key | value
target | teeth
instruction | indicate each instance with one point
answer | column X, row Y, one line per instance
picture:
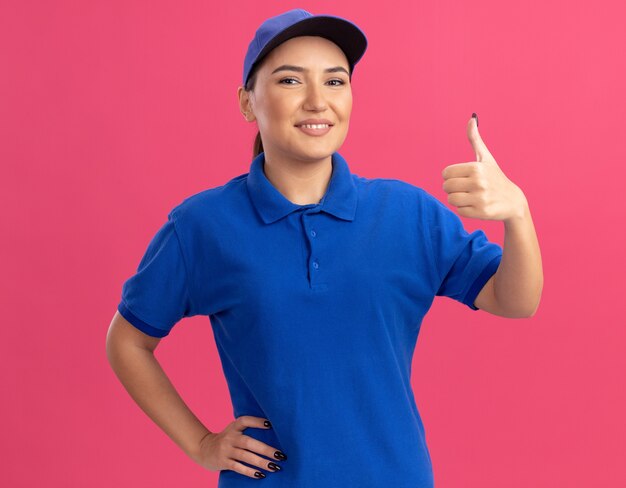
column 315, row 126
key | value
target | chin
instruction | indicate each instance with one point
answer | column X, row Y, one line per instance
column 319, row 153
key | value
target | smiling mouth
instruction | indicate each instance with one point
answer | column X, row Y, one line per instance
column 315, row 130
column 315, row 126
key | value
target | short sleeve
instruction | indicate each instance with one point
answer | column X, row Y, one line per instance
column 157, row 296
column 462, row 262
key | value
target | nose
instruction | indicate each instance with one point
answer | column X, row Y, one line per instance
column 314, row 98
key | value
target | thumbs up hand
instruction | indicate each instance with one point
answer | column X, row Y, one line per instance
column 479, row 189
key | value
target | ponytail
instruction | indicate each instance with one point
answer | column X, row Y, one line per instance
column 258, row 145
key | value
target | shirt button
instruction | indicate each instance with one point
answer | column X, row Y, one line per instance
column 316, row 264
column 313, row 233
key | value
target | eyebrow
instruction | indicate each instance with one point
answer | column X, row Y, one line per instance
column 291, row 67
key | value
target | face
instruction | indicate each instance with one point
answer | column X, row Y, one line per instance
column 283, row 98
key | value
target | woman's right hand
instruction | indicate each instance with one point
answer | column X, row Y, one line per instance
column 225, row 449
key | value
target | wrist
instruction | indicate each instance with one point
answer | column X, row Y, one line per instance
column 193, row 451
column 522, row 212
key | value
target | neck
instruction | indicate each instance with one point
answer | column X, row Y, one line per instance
column 300, row 182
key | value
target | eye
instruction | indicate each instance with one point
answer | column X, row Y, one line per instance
column 285, row 79
column 341, row 82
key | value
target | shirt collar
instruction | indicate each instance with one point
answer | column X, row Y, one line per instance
column 340, row 198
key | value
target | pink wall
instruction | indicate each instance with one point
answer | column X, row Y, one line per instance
column 111, row 112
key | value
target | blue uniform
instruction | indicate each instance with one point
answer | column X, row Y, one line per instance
column 315, row 310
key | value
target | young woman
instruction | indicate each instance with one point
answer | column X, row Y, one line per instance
column 315, row 280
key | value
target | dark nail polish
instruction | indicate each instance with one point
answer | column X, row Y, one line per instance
column 267, row 423
column 476, row 117
column 273, row 466
column 258, row 474
column 279, row 455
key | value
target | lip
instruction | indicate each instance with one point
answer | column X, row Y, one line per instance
column 315, row 132
column 315, row 121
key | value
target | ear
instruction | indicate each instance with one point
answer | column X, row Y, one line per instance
column 244, row 104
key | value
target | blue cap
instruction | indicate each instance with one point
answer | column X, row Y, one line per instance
column 299, row 22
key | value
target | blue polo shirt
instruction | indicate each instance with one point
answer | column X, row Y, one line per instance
column 315, row 310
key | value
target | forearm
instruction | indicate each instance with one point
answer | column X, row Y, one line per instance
column 148, row 385
column 518, row 282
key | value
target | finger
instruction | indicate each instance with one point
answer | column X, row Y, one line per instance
column 255, row 460
column 245, row 421
column 240, row 468
column 479, row 147
column 453, row 185
column 461, row 199
column 255, row 445
column 459, row 170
